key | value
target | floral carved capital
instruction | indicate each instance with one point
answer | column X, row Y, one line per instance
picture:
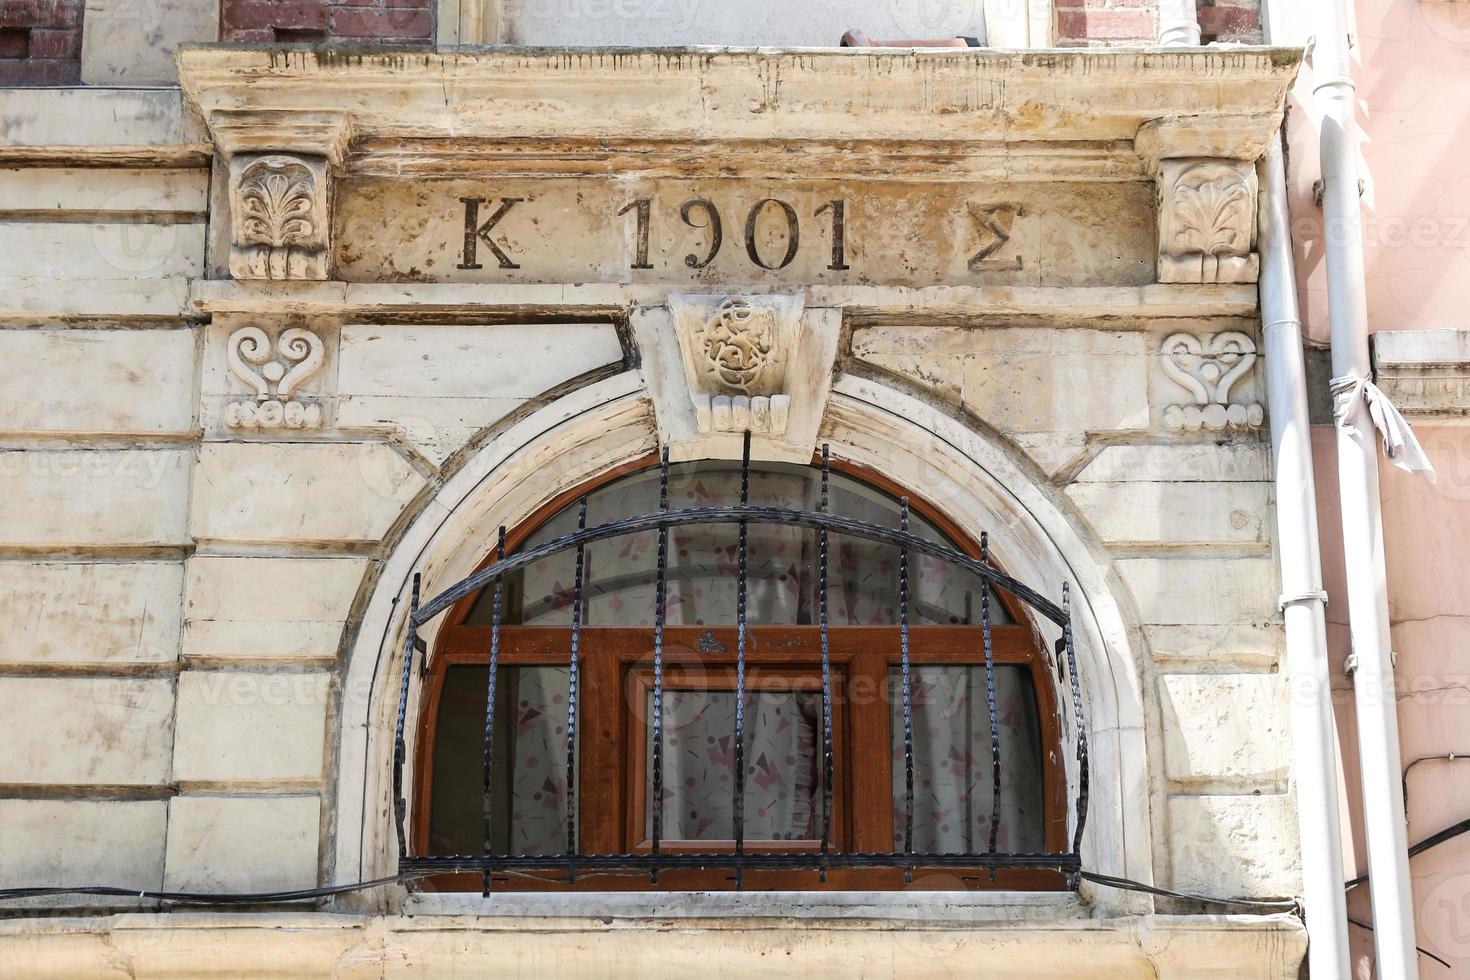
column 1207, row 221
column 278, row 208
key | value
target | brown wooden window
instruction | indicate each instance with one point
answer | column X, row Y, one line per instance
column 611, row 809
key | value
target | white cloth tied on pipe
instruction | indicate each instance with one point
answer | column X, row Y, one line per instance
column 1400, row 444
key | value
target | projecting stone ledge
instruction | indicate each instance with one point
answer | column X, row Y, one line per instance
column 500, row 944
column 1232, row 99
column 1425, row 373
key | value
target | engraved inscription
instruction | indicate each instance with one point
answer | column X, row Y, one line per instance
column 992, row 231
column 713, row 232
column 476, row 233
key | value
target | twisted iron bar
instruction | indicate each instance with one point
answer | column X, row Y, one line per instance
column 827, row 760
column 494, row 670
column 742, row 584
column 573, row 670
column 1079, row 718
column 908, row 701
column 660, row 598
column 742, row 513
column 990, row 701
column 400, row 749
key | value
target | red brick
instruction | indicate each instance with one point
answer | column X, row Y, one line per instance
column 47, row 43
column 381, row 25
column 40, row 72
column 257, row 14
column 1106, row 24
column 40, row 13
column 15, row 43
column 1230, row 22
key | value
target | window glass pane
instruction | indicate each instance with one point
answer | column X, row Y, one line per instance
column 783, row 779
column 953, row 782
column 782, row 561
column 528, row 801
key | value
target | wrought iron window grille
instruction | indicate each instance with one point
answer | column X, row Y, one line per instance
column 739, row 858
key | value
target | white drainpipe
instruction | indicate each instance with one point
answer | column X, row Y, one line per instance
column 1313, row 732
column 1178, row 24
column 1362, row 530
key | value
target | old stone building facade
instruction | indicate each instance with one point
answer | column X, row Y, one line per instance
column 293, row 335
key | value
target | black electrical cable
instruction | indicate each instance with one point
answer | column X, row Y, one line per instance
column 1363, row 925
column 1129, row 884
column 305, row 894
column 1433, row 840
column 204, row 898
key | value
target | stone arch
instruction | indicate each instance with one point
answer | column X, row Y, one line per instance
column 977, row 480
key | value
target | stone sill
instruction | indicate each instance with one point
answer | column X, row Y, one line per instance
column 720, row 909
column 284, row 945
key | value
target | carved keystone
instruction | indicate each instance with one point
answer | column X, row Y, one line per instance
column 1207, row 221
column 735, row 355
column 719, row 366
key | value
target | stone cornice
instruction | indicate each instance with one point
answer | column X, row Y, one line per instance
column 414, row 106
column 1426, row 373
column 394, row 301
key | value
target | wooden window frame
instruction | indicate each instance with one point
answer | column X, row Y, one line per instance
column 611, row 756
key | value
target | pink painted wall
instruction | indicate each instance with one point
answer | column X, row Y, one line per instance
column 1413, row 77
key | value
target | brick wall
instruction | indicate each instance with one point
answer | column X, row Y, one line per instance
column 40, row 42
column 1107, row 23
column 333, row 21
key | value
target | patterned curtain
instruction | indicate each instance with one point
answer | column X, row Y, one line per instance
column 952, row 760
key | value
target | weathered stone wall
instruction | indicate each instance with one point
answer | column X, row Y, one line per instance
column 98, row 369
column 206, row 479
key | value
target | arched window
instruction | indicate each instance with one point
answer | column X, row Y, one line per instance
column 930, row 793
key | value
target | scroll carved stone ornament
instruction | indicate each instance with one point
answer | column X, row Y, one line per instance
column 736, row 351
column 274, row 371
column 1208, row 368
column 1207, row 220
column 278, row 207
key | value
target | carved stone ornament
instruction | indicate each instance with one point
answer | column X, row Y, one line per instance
column 278, row 209
column 1207, row 221
column 1208, row 368
column 274, row 371
column 717, row 367
column 736, row 350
